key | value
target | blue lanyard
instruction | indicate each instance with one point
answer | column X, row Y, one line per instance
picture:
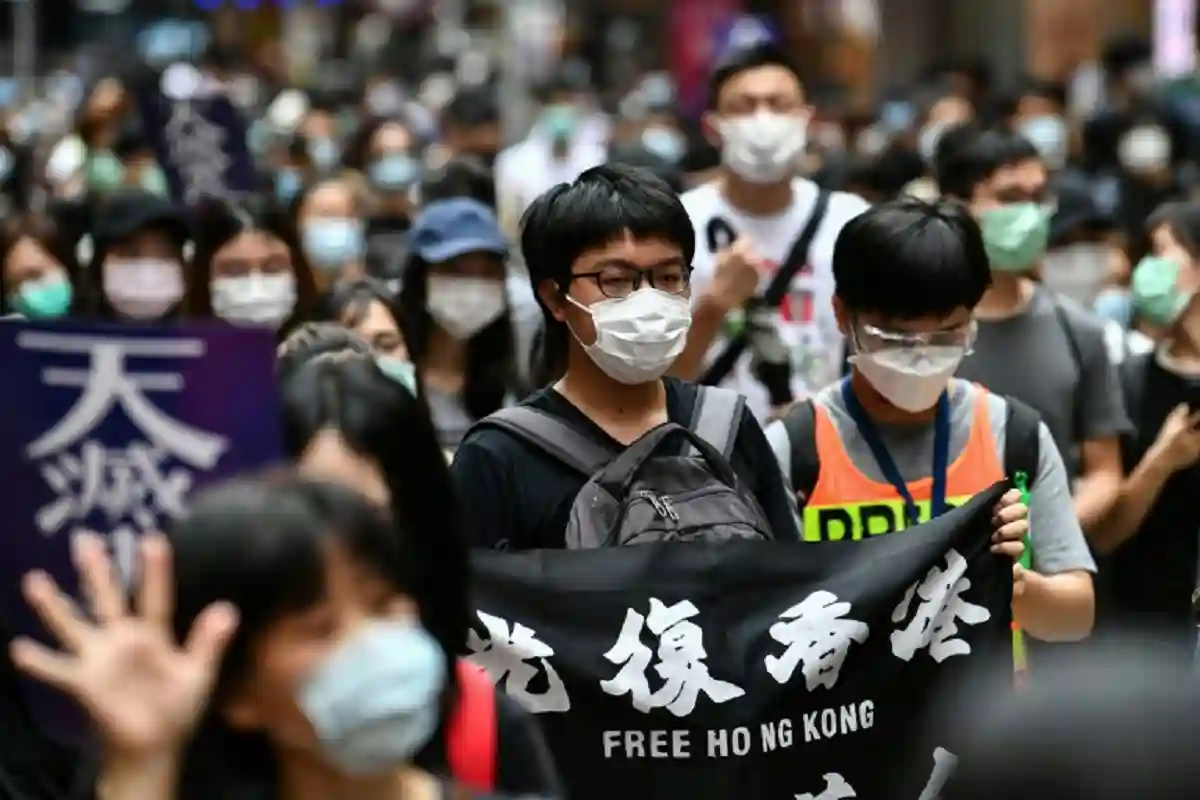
column 941, row 453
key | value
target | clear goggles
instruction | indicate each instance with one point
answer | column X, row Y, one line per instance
column 870, row 339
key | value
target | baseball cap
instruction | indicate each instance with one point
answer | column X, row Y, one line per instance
column 126, row 211
column 447, row 229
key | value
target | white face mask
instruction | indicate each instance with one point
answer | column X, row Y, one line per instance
column 911, row 379
column 464, row 306
column 763, row 147
column 254, row 299
column 1077, row 271
column 1144, row 149
column 638, row 337
column 143, row 288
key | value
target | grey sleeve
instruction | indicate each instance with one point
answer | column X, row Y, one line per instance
column 1099, row 401
column 781, row 446
column 1056, row 537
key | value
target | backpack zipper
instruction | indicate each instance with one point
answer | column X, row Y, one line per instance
column 669, row 509
column 659, row 508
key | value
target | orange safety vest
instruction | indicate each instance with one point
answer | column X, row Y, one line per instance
column 845, row 504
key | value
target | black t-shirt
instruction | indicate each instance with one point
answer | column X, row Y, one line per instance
column 1152, row 575
column 517, row 497
column 524, row 765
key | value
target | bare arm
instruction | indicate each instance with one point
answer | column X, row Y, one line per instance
column 708, row 317
column 1097, row 488
column 1056, row 608
column 1137, row 495
column 142, row 779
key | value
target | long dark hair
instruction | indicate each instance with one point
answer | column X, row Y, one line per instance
column 46, row 234
column 491, row 363
column 219, row 222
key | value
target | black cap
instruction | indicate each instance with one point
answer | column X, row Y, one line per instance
column 124, row 212
column 1077, row 208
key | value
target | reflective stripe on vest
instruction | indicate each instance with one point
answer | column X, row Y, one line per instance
column 845, row 504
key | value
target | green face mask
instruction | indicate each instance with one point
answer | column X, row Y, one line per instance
column 48, row 298
column 153, row 180
column 1015, row 235
column 1155, row 296
column 104, row 172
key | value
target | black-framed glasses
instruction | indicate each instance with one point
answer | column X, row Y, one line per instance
column 618, row 282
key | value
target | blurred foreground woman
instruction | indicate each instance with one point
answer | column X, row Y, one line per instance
column 277, row 648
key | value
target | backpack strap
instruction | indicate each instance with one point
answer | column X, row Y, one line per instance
column 717, row 418
column 552, row 436
column 1022, row 439
column 1068, row 329
column 804, row 467
column 471, row 737
column 1132, row 372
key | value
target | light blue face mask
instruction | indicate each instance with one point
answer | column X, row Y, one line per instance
column 48, row 298
column 376, row 701
column 324, row 153
column 1116, row 305
column 401, row 370
column 333, row 242
column 288, row 184
column 665, row 143
column 560, row 121
column 394, row 172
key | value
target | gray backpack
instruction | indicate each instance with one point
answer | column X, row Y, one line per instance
column 648, row 493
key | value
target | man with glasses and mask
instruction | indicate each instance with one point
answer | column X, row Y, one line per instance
column 1032, row 345
column 901, row 440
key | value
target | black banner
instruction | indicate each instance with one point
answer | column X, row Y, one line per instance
column 748, row 670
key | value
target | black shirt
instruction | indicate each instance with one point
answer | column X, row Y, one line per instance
column 517, row 497
column 1153, row 574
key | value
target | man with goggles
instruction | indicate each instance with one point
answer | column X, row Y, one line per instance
column 901, row 440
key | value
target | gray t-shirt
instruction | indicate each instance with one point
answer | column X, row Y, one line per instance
column 1029, row 357
column 1057, row 541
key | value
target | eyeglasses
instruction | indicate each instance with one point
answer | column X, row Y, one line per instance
column 870, row 339
column 618, row 282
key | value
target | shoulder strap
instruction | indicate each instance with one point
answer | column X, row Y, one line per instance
column 552, row 436
column 1022, row 439
column 471, row 738
column 781, row 281
column 717, row 417
column 1132, row 372
column 1064, row 322
column 800, row 422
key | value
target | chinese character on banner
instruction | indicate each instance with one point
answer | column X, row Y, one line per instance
column 108, row 430
column 836, row 788
column 942, row 607
column 681, row 667
column 516, row 656
column 818, row 634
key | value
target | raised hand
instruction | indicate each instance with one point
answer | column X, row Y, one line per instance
column 144, row 692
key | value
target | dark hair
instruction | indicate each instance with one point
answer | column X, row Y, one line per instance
column 909, row 259
column 596, row 209
column 636, row 154
column 312, row 339
column 1044, row 88
column 92, row 275
column 491, row 369
column 745, row 59
column 353, row 297
column 357, row 155
column 218, row 223
column 44, row 232
column 461, row 176
column 257, row 542
column 973, row 155
column 1183, row 219
column 471, row 107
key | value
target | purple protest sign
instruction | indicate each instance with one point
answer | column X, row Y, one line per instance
column 109, row 429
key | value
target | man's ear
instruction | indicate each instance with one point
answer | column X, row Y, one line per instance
column 551, row 297
column 842, row 314
column 710, row 127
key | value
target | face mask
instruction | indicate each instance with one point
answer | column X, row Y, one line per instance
column 324, row 153
column 1015, row 235
column 464, row 306
column 143, row 288
column 374, row 702
column 1050, row 136
column 665, row 143
column 638, row 337
column 910, row 379
column 401, row 370
column 1156, row 295
column 104, row 172
column 254, row 299
column 394, row 172
column 560, row 121
column 333, row 242
column 1076, row 271
column 763, row 147
column 154, row 180
column 1114, row 304
column 1145, row 149
column 287, row 185
column 46, row 298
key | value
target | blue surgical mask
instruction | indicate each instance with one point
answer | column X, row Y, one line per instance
column 1115, row 304
column 560, row 121
column 288, row 184
column 375, row 702
column 665, row 143
column 401, row 370
column 48, row 298
column 394, row 172
column 324, row 153
column 333, row 242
